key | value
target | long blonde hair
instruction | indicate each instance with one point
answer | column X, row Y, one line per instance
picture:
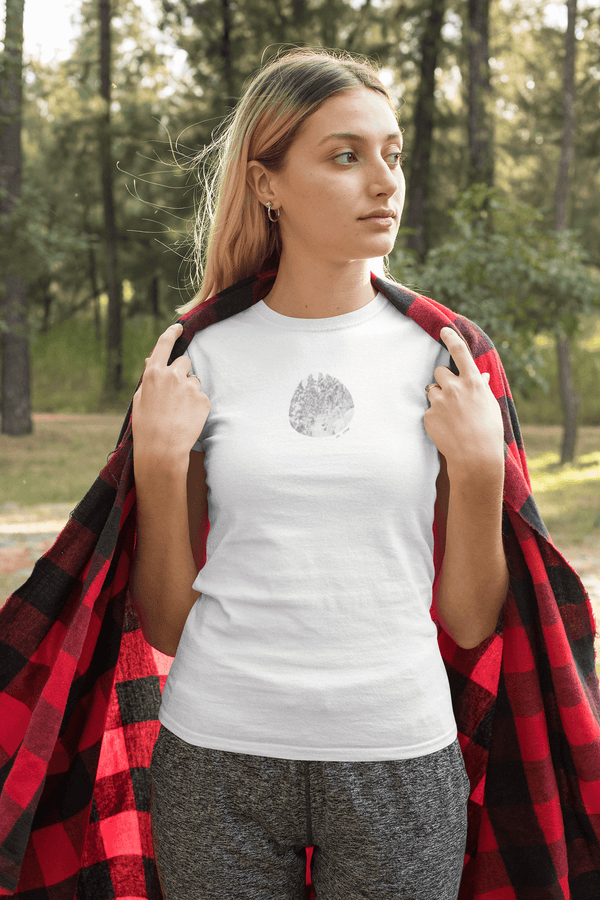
column 233, row 238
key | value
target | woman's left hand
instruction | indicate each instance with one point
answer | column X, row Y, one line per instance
column 464, row 419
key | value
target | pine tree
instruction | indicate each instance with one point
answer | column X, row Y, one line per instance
column 16, row 402
column 114, row 331
column 481, row 137
column 420, row 158
column 569, row 398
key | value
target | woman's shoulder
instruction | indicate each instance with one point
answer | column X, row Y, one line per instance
column 432, row 315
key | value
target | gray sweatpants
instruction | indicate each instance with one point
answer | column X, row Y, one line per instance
column 231, row 826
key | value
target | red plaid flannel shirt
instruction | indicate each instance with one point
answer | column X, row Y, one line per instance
column 81, row 691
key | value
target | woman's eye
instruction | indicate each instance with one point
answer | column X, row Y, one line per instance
column 398, row 158
column 346, row 153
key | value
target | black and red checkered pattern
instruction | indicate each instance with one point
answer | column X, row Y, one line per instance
column 81, row 690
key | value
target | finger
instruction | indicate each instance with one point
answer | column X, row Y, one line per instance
column 443, row 376
column 162, row 351
column 459, row 351
column 435, row 391
column 182, row 364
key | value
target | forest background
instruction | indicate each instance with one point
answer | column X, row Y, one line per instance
column 483, row 103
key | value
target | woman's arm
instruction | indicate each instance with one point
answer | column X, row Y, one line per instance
column 169, row 412
column 474, row 579
column 465, row 423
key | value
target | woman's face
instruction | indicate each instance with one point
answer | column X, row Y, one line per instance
column 342, row 188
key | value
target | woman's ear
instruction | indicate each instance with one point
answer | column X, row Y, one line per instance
column 260, row 181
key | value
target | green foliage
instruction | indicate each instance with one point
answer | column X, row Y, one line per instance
column 527, row 66
column 501, row 269
column 514, row 279
column 541, row 405
column 68, row 364
column 32, row 242
column 62, row 173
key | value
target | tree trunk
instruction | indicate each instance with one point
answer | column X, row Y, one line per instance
column 14, row 342
column 570, row 401
column 43, row 284
column 299, row 12
column 92, row 272
column 153, row 297
column 329, row 24
column 569, row 398
column 95, row 295
column 561, row 219
column 481, row 132
column 418, row 182
column 16, row 397
column 226, row 54
column 114, row 337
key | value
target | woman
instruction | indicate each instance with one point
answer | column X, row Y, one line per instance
column 310, row 646
column 308, row 703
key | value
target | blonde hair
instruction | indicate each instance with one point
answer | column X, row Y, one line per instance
column 233, row 239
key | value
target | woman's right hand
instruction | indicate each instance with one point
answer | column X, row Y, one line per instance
column 169, row 409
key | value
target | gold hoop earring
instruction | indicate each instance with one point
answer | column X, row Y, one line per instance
column 278, row 211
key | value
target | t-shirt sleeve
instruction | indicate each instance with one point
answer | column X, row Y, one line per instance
column 199, row 446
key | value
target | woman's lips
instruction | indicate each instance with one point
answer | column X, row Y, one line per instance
column 380, row 220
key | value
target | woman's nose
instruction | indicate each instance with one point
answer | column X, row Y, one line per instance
column 385, row 179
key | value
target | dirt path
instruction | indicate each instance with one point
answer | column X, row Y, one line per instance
column 27, row 532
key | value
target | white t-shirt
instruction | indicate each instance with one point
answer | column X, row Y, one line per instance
column 312, row 637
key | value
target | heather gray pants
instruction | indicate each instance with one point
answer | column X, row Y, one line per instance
column 230, row 826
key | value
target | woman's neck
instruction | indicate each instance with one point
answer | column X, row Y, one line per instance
column 318, row 290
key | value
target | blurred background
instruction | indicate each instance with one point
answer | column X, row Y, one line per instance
column 106, row 102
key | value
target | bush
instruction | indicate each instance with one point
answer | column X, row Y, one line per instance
column 539, row 407
column 68, row 363
column 500, row 269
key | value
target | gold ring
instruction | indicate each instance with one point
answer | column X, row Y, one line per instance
column 433, row 384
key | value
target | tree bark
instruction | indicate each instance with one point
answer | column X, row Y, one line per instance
column 418, row 182
column 16, row 394
column 14, row 342
column 561, row 219
column 481, row 132
column 569, row 398
column 329, row 24
column 226, row 53
column 43, row 284
column 153, row 297
column 299, row 12
column 95, row 294
column 92, row 269
column 114, row 330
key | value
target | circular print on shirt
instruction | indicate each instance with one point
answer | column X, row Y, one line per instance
column 321, row 406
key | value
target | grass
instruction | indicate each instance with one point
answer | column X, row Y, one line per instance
column 568, row 496
column 59, row 461
column 68, row 365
